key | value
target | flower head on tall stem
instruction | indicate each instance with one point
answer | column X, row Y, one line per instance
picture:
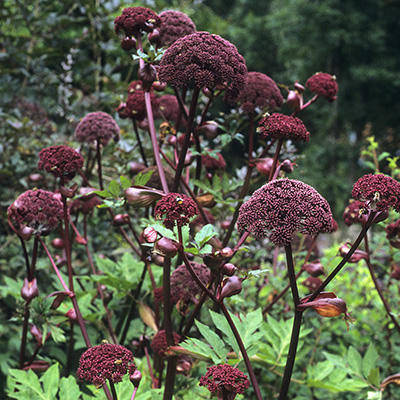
column 174, row 25
column 282, row 207
column 135, row 20
column 282, row 126
column 61, row 161
column 355, row 213
column 135, row 107
column 378, row 192
column 97, row 126
column 176, row 209
column 261, row 93
column 37, row 209
column 106, row 361
column 323, row 85
column 159, row 342
column 205, row 59
column 225, row 381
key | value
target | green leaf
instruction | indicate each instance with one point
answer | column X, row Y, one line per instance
column 114, row 188
column 355, row 361
column 215, row 341
column 142, row 178
column 374, row 377
column 204, row 235
column 50, row 382
column 163, row 231
column 69, row 389
column 103, row 193
column 196, row 346
column 125, row 182
column 26, row 383
column 369, row 361
column 207, row 249
column 192, row 250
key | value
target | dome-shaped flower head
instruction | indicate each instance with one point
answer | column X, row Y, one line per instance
column 106, row 361
column 225, row 381
column 184, row 287
column 282, row 207
column 213, row 163
column 261, row 93
column 169, row 107
column 282, row 126
column 97, row 126
column 206, row 60
column 323, row 85
column 135, row 20
column 354, row 213
column 135, row 106
column 174, row 25
column 377, row 192
column 61, row 161
column 176, row 209
column 38, row 209
column 159, row 342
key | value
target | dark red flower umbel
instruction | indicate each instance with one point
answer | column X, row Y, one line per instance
column 225, row 381
column 323, row 85
column 174, row 25
column 282, row 126
column 135, row 20
column 38, row 209
column 377, row 192
column 211, row 163
column 135, row 107
column 169, row 107
column 206, row 60
column 282, row 207
column 159, row 342
column 260, row 94
column 106, row 361
column 61, row 161
column 354, row 213
column 177, row 209
column 97, row 126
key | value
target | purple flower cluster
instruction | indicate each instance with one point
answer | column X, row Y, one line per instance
column 353, row 213
column 135, row 107
column 282, row 126
column 135, row 20
column 169, row 107
column 106, row 361
column 184, row 287
column 38, row 209
column 224, row 380
column 159, row 342
column 174, row 25
column 177, row 209
column 205, row 59
column 97, row 126
column 323, row 85
column 377, row 192
column 261, row 93
column 282, row 207
column 61, row 161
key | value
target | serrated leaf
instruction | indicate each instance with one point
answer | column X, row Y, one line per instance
column 192, row 250
column 207, row 249
column 374, row 377
column 103, row 193
column 369, row 361
column 26, row 382
column 142, row 178
column 125, row 182
column 163, row 231
column 354, row 361
column 69, row 389
column 204, row 235
column 214, row 340
column 50, row 382
column 196, row 346
column 114, row 188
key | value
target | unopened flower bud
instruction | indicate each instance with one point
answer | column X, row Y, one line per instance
column 357, row 256
column 71, row 315
column 35, row 332
column 224, row 253
column 147, row 74
column 150, row 235
column 229, row 287
column 314, row 268
column 206, row 200
column 167, row 247
column 264, row 165
column 79, row 239
column 158, row 86
column 300, row 88
column 34, row 178
column 154, row 37
column 120, row 219
column 69, row 192
column 58, row 243
column 287, row 166
column 225, row 224
column 135, row 378
column 229, row 269
column 26, row 232
column 128, row 43
column 293, row 100
column 29, row 290
column 122, row 111
column 142, row 196
column 209, row 129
